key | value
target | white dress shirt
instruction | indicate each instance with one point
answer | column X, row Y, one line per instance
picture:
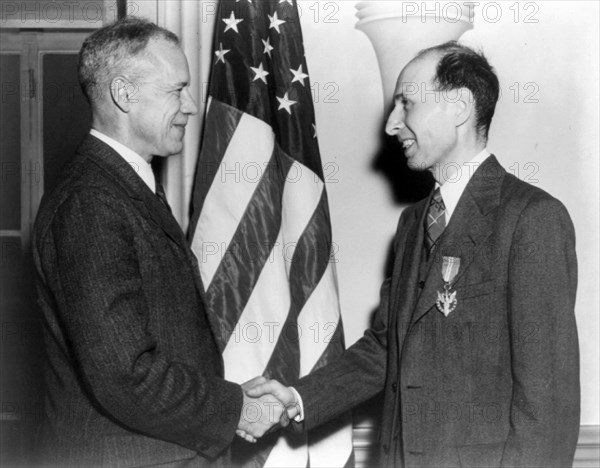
column 139, row 164
column 457, row 179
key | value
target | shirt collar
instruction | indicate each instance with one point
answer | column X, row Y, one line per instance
column 138, row 164
column 454, row 187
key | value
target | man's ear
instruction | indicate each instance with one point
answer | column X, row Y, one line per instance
column 464, row 106
column 122, row 93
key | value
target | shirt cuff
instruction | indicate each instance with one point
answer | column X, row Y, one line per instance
column 300, row 416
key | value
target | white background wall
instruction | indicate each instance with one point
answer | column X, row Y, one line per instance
column 557, row 136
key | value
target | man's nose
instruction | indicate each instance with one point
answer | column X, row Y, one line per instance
column 188, row 105
column 395, row 121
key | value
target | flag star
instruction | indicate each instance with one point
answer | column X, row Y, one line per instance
column 314, row 130
column 299, row 75
column 231, row 23
column 275, row 22
column 268, row 46
column 260, row 73
column 286, row 103
column 221, row 53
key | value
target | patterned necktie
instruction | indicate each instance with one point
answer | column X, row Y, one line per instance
column 160, row 193
column 436, row 220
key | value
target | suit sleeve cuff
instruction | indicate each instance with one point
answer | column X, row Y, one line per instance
column 300, row 416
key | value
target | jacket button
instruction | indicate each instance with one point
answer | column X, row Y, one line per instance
column 421, row 284
column 394, row 387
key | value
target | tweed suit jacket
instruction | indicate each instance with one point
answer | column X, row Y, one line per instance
column 133, row 374
column 496, row 382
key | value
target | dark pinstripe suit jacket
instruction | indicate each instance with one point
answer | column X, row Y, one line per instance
column 133, row 374
column 496, row 383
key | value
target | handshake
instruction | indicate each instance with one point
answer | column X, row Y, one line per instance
column 267, row 405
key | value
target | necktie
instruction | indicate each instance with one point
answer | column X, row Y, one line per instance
column 160, row 193
column 436, row 220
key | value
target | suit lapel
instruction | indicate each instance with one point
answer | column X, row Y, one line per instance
column 471, row 224
column 408, row 262
column 124, row 175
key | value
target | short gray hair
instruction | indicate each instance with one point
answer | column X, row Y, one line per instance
column 114, row 50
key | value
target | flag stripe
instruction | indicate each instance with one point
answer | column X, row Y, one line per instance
column 247, row 253
column 220, row 124
column 301, row 197
column 232, row 188
column 262, row 231
column 312, row 253
column 319, row 320
column 259, row 326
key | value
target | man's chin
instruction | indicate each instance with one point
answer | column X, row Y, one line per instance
column 173, row 150
column 415, row 165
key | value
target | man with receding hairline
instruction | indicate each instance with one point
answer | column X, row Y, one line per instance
column 133, row 374
column 474, row 343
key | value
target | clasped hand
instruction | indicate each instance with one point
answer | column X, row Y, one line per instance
column 267, row 405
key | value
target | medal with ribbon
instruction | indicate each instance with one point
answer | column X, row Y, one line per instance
column 446, row 300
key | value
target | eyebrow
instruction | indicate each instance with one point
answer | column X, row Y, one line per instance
column 181, row 84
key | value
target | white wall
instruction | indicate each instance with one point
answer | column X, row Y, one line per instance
column 552, row 142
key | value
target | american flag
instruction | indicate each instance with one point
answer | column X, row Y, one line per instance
column 260, row 225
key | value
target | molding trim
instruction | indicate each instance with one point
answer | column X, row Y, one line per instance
column 587, row 453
